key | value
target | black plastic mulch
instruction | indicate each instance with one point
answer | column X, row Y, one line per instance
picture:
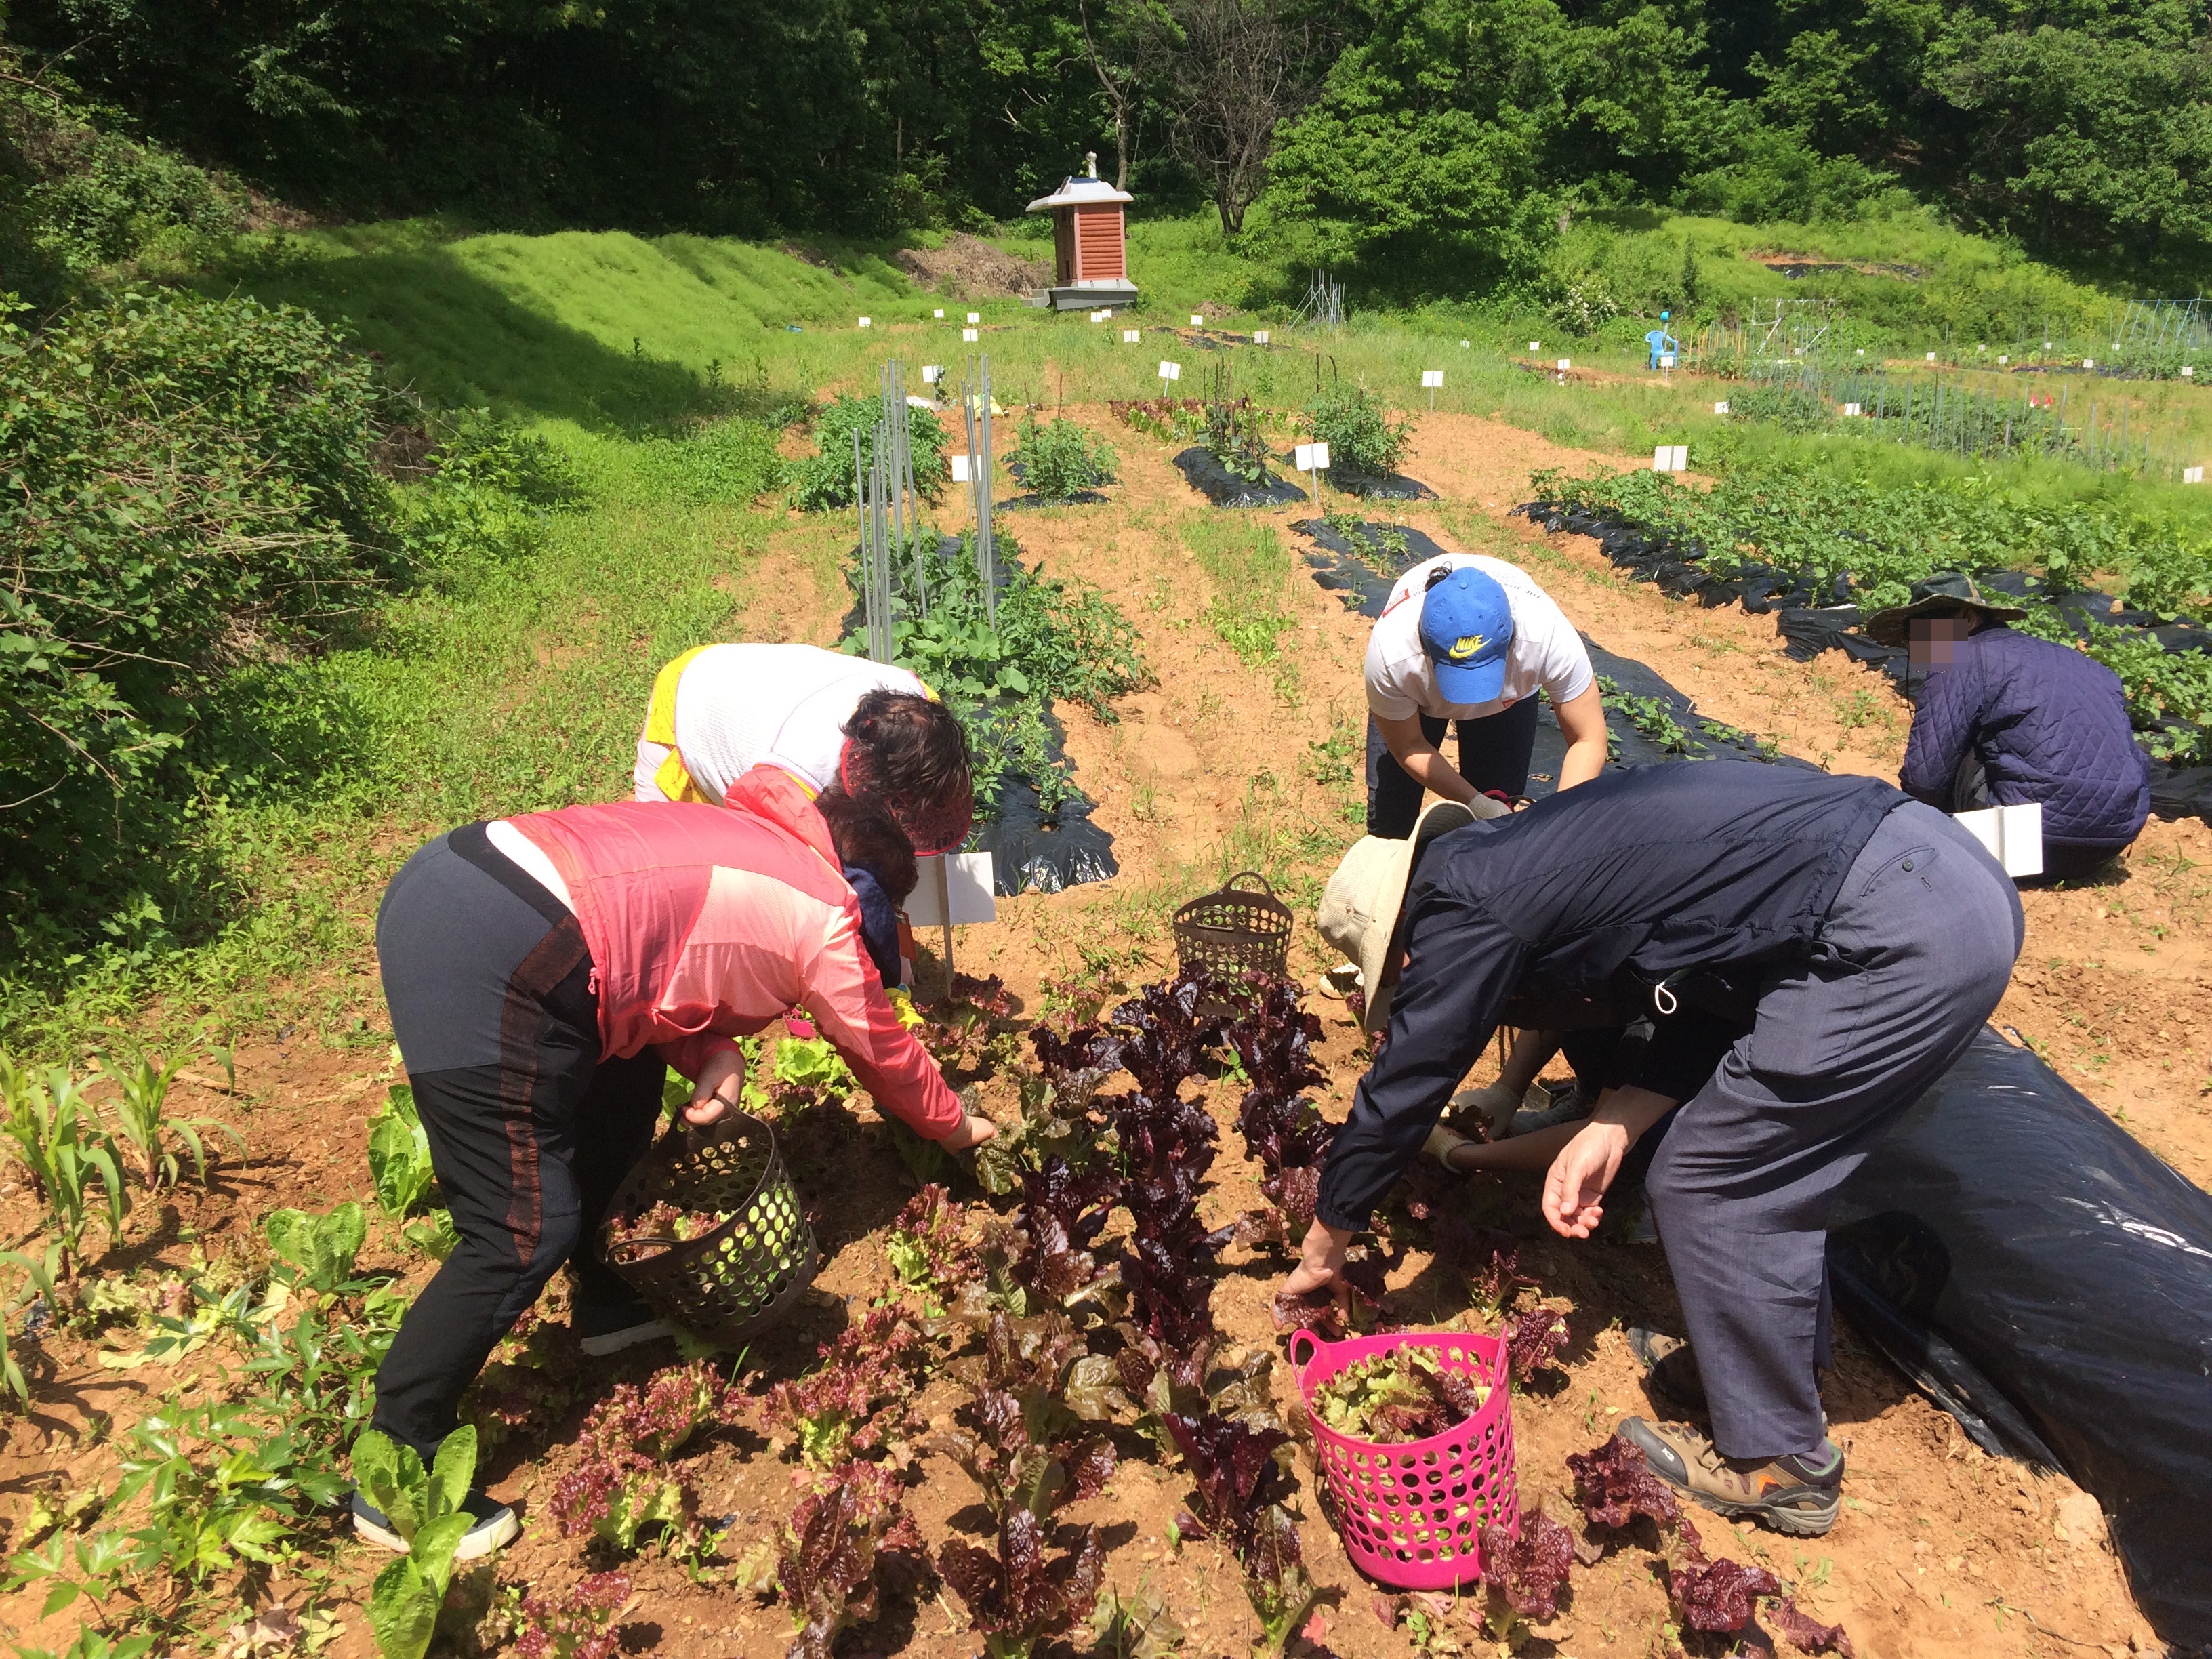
column 1032, row 851
column 1031, row 503
column 1813, row 617
column 2041, row 1274
column 1365, row 584
column 1224, row 489
column 1390, row 487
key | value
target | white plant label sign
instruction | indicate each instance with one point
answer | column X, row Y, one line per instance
column 1563, row 364
column 1259, row 337
column 971, row 335
column 1433, row 377
column 2188, row 372
column 1311, row 457
column 2089, row 362
column 2013, row 834
column 960, row 469
column 1932, row 356
column 867, row 322
column 932, row 373
column 1170, row 371
column 2192, row 475
column 974, row 316
column 1535, row 345
column 1720, row 407
column 1671, row 458
column 1197, row 321
column 1129, row 336
column 1851, row 409
column 958, row 882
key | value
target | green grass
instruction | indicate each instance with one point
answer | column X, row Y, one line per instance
column 605, row 330
column 1250, row 569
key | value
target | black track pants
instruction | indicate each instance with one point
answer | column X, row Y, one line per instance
column 489, row 987
column 1493, row 754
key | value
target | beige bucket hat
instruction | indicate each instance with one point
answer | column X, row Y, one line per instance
column 1360, row 908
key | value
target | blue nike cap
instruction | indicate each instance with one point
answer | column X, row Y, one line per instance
column 1467, row 628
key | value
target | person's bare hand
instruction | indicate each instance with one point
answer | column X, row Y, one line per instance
column 1320, row 1266
column 975, row 1129
column 1579, row 1177
column 717, row 1090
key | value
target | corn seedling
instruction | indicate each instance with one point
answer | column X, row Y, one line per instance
column 54, row 1133
column 144, row 1125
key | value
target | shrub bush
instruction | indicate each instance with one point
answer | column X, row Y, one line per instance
column 1352, row 422
column 189, row 492
column 1061, row 459
column 824, row 479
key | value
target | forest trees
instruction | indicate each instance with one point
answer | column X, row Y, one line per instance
column 1453, row 129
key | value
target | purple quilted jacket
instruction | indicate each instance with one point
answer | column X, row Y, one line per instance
column 2050, row 725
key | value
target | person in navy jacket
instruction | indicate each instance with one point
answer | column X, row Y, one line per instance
column 2005, row 719
column 1867, row 935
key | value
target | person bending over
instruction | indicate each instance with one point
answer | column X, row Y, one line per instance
column 1877, row 936
column 2005, row 719
column 825, row 718
column 1467, row 641
column 544, row 971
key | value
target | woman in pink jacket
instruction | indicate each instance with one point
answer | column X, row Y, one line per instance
column 544, row 971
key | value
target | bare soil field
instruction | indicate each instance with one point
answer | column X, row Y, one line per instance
column 1943, row 1552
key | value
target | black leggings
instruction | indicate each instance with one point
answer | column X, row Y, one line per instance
column 1493, row 754
column 490, row 988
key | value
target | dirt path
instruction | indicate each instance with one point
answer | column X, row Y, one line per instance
column 1942, row 1554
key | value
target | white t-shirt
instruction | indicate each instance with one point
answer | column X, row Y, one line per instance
column 739, row 706
column 1401, row 680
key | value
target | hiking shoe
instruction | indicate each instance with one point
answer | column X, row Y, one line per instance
column 1671, row 1377
column 1800, row 1495
column 611, row 1328
column 494, row 1527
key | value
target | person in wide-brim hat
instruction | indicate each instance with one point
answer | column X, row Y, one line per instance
column 1949, row 594
column 1868, row 936
column 2003, row 719
column 1361, row 908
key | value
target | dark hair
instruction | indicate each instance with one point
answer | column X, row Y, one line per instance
column 865, row 834
column 916, row 749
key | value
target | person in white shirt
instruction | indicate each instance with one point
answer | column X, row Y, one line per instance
column 829, row 720
column 1468, row 640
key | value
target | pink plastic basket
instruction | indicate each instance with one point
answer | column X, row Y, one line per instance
column 1412, row 1514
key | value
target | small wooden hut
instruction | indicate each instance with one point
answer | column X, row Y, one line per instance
column 1091, row 265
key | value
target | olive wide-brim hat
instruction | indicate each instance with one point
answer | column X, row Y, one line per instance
column 1937, row 595
column 1365, row 899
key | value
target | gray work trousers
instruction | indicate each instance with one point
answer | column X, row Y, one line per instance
column 1915, row 953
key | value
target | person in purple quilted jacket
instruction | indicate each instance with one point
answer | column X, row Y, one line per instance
column 2005, row 719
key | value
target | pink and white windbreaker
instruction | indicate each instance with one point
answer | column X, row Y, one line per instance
column 705, row 923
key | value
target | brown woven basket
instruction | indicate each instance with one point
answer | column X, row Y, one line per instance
column 727, row 1286
column 1235, row 930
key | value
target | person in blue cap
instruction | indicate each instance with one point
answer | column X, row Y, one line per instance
column 1467, row 641
column 1661, row 341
